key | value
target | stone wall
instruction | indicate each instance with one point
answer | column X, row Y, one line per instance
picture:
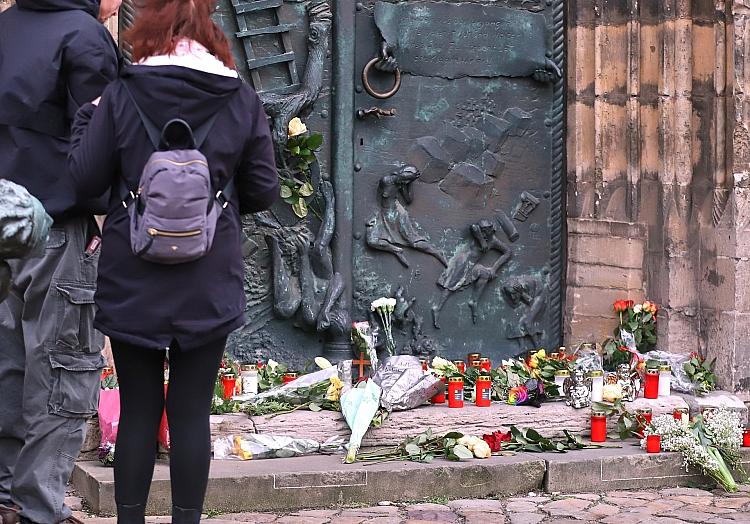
column 658, row 149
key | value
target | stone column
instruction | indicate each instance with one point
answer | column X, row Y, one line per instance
column 725, row 241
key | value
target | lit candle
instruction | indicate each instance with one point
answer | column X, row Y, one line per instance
column 597, row 384
column 665, row 380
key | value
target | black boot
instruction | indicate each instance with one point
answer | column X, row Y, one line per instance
column 185, row 516
column 131, row 514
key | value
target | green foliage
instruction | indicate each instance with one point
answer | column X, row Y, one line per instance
column 615, row 353
column 296, row 186
column 422, row 448
column 701, row 373
column 530, row 440
column 627, row 422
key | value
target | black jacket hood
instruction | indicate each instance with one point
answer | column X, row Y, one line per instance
column 167, row 92
column 90, row 6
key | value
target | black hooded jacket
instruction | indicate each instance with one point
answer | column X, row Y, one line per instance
column 54, row 57
column 148, row 304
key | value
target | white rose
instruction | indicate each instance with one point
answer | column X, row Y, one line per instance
column 482, row 450
column 382, row 302
column 465, row 440
column 296, row 127
column 440, row 363
column 612, row 392
column 272, row 364
column 637, row 308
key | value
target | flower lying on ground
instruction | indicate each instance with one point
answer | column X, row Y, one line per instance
column 333, row 393
column 476, row 445
column 495, row 440
column 612, row 392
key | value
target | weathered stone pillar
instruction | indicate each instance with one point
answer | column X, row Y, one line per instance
column 725, row 240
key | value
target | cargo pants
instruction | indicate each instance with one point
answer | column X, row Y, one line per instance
column 50, row 362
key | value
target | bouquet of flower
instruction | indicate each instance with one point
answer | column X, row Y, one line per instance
column 529, row 440
column 704, row 444
column 638, row 321
column 701, row 373
column 106, row 454
column 299, row 155
column 426, row 446
column 384, row 307
column 108, row 379
column 364, row 340
column 271, row 375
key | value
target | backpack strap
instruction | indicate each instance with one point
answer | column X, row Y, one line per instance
column 154, row 134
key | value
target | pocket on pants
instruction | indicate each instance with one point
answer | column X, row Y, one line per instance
column 75, row 383
column 75, row 319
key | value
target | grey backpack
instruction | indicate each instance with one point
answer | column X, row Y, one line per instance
column 174, row 211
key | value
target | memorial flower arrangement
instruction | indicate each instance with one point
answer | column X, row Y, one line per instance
column 701, row 373
column 425, row 447
column 530, row 440
column 634, row 334
column 106, row 454
column 296, row 183
column 710, row 443
column 384, row 307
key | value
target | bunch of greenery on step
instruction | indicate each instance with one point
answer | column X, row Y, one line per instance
column 615, row 353
column 627, row 422
column 220, row 406
column 296, row 184
column 425, row 447
column 710, row 443
column 316, row 397
column 530, row 440
column 527, row 385
column 701, row 373
column 271, row 375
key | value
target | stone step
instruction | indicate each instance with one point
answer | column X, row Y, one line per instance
column 323, row 481
column 550, row 420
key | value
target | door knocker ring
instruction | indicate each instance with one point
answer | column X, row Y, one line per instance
column 369, row 88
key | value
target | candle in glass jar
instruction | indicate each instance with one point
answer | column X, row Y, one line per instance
column 653, row 444
column 560, row 376
column 485, row 364
column 598, row 426
column 425, row 366
column 476, row 364
column 289, row 376
column 665, row 380
column 597, row 385
column 460, row 365
column 249, row 375
column 229, row 382
column 483, row 392
column 455, row 392
column 473, row 356
column 651, row 386
column 746, row 437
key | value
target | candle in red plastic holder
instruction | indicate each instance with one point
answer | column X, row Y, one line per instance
column 681, row 414
column 289, row 376
column 653, row 444
column 455, row 392
column 598, row 426
column 746, row 437
column 425, row 366
column 476, row 364
column 229, row 382
column 473, row 356
column 460, row 365
column 485, row 364
column 483, row 396
column 439, row 398
column 651, row 387
column 643, row 417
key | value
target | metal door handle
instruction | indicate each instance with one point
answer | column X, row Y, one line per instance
column 369, row 88
column 376, row 112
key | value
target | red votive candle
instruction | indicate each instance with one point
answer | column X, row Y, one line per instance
column 439, row 398
column 598, row 426
column 680, row 414
column 653, row 444
column 485, row 364
column 746, row 437
column 643, row 416
column 473, row 356
column 455, row 392
column 651, row 387
column 289, row 376
column 425, row 365
column 483, row 397
column 228, row 382
column 460, row 365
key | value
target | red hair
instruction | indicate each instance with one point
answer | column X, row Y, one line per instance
column 160, row 24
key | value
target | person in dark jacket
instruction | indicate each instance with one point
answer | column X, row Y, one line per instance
column 183, row 69
column 55, row 55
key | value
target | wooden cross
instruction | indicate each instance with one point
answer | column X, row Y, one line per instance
column 362, row 362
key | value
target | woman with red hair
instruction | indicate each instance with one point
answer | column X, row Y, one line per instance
column 183, row 69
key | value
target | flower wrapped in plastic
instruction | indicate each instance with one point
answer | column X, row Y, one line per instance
column 254, row 446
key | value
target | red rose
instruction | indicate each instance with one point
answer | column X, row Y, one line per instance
column 623, row 348
column 619, row 306
column 630, row 303
column 495, row 440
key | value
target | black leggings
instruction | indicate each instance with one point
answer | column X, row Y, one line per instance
column 192, row 377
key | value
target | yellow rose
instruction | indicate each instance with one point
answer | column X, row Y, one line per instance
column 612, row 392
column 296, row 127
column 482, row 450
column 333, row 393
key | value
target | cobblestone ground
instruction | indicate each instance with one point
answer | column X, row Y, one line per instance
column 667, row 506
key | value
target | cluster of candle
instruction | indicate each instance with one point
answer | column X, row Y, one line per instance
column 453, row 388
column 658, row 382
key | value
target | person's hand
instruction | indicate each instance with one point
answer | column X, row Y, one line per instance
column 96, row 101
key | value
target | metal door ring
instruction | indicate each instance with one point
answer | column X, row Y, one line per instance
column 368, row 87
